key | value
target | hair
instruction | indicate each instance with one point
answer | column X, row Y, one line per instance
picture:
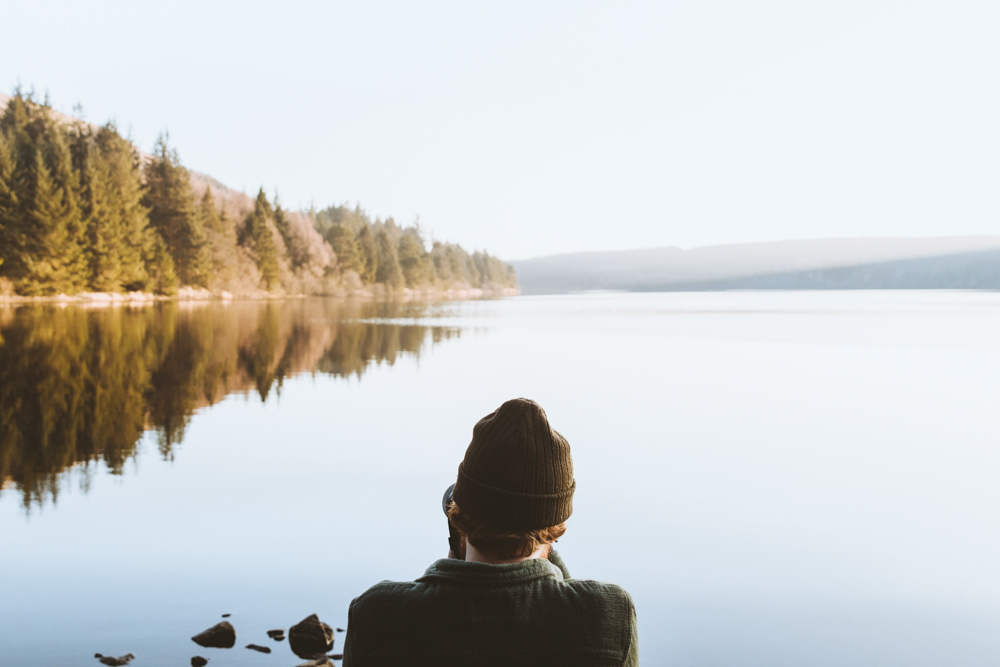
column 501, row 543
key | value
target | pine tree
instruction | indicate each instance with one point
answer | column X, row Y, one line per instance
column 173, row 214
column 493, row 272
column 284, row 227
column 126, row 185
column 226, row 226
column 52, row 256
column 44, row 225
column 211, row 220
column 469, row 270
column 71, row 255
column 8, row 204
column 261, row 240
column 345, row 247
column 158, row 263
column 388, row 270
column 413, row 258
column 104, row 229
column 484, row 267
column 442, row 265
column 223, row 255
column 19, row 153
column 111, row 200
column 369, row 255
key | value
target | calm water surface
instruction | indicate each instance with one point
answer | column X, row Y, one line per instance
column 777, row 478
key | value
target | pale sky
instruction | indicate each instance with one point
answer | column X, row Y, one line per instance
column 544, row 127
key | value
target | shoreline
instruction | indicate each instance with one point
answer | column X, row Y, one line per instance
column 191, row 294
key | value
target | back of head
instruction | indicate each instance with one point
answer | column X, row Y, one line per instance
column 517, row 474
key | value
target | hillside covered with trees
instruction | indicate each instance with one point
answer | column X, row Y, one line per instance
column 82, row 210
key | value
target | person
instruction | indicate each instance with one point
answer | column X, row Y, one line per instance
column 506, row 598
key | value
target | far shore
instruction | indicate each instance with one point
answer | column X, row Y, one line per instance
column 188, row 294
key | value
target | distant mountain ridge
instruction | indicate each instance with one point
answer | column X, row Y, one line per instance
column 954, row 262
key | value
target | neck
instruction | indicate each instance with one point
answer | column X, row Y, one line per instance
column 474, row 555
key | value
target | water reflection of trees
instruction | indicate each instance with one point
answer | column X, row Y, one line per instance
column 81, row 385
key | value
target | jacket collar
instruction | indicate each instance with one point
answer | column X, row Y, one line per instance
column 463, row 573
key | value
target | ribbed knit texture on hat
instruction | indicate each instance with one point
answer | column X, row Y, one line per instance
column 517, row 473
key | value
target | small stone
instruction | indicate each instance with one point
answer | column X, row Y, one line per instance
column 310, row 637
column 341, row 630
column 114, row 662
column 220, row 635
column 199, row 661
column 226, row 615
column 256, row 647
column 276, row 635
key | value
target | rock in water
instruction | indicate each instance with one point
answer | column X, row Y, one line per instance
column 276, row 635
column 221, row 635
column 341, row 630
column 256, row 647
column 199, row 661
column 310, row 638
column 114, row 662
column 226, row 615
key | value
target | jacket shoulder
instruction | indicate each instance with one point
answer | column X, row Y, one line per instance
column 392, row 592
column 605, row 604
column 612, row 593
column 384, row 592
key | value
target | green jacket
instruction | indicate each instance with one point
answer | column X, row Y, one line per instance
column 472, row 614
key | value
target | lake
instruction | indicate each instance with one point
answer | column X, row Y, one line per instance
column 778, row 478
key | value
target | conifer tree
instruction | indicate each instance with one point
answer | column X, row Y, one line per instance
column 104, row 229
column 226, row 226
column 223, row 255
column 71, row 255
column 115, row 221
column 469, row 270
column 159, row 265
column 52, row 256
column 211, row 220
column 19, row 152
column 485, row 268
column 44, row 227
column 442, row 263
column 8, row 204
column 345, row 247
column 133, row 217
column 368, row 253
column 413, row 258
column 172, row 213
column 284, row 227
column 261, row 240
column 388, row 270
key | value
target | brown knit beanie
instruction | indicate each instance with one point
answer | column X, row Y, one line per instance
column 517, row 473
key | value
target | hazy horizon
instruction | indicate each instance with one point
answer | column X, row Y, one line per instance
column 940, row 237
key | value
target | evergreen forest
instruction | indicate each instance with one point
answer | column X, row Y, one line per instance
column 82, row 210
